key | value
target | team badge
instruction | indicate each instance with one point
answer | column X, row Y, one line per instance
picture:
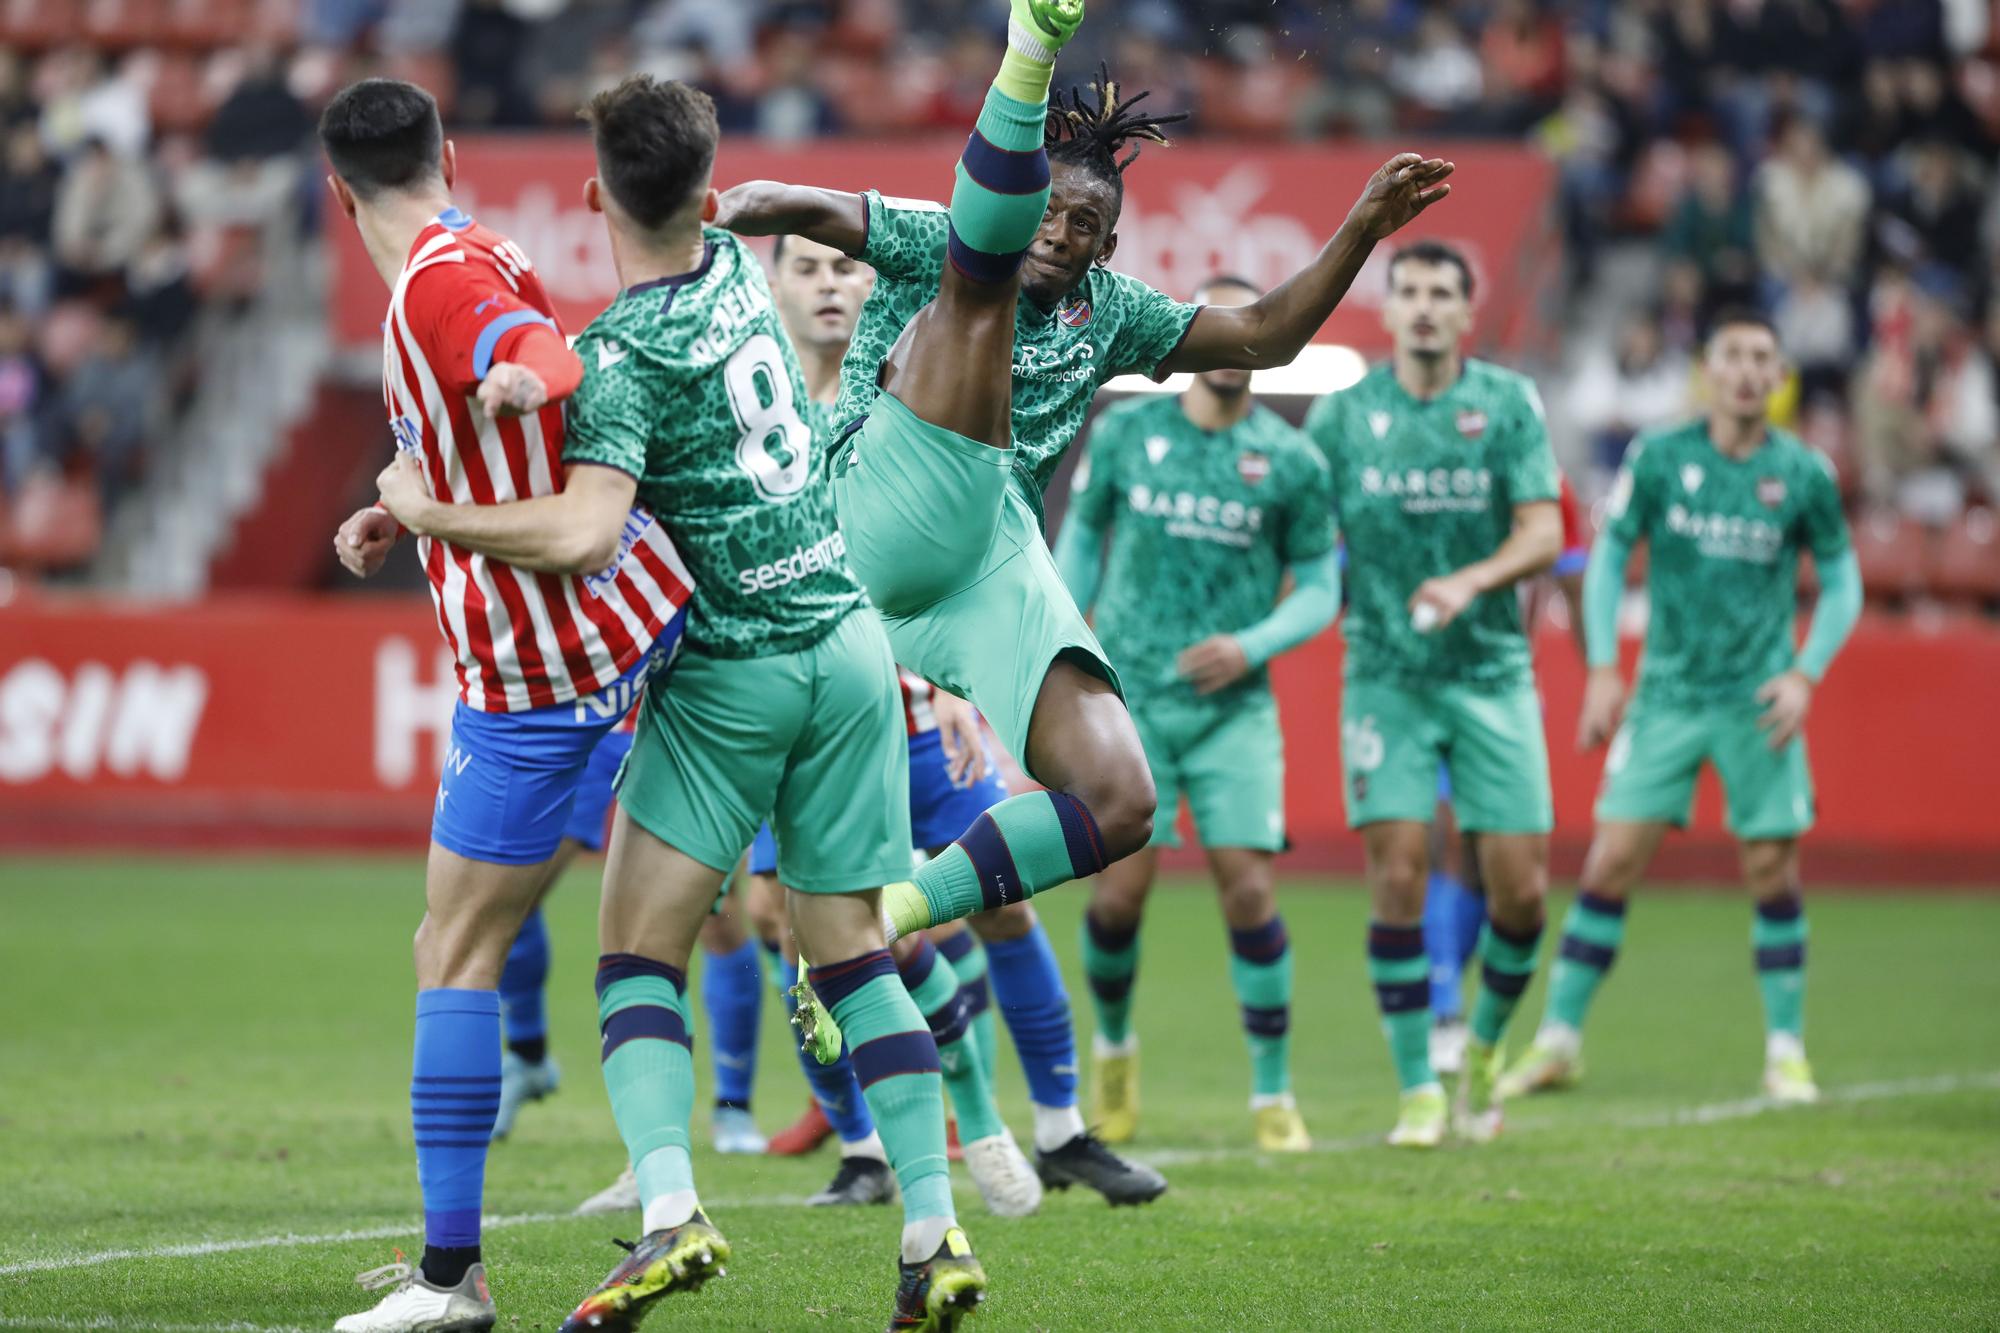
column 1771, row 490
column 1691, row 478
column 1075, row 313
column 1472, row 425
column 1379, row 423
column 1156, row 448
column 1252, row 466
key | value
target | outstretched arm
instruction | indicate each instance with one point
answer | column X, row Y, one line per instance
column 1079, row 557
column 772, row 208
column 575, row 531
column 1270, row 331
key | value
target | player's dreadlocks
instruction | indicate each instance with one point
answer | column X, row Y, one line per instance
column 1089, row 127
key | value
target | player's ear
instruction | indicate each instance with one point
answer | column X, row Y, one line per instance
column 1110, row 249
column 448, row 164
column 711, row 204
column 341, row 195
column 593, row 195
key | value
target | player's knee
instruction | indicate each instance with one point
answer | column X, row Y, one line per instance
column 1770, row 869
column 1248, row 899
column 1011, row 922
column 1399, row 883
column 1117, row 903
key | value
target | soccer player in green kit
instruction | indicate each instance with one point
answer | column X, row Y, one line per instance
column 990, row 328
column 1209, row 501
column 1445, row 490
column 1725, row 505
column 783, row 702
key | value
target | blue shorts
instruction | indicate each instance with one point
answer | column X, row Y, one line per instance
column 511, row 780
column 939, row 812
column 587, row 818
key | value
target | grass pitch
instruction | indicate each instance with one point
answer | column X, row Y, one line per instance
column 203, row 1126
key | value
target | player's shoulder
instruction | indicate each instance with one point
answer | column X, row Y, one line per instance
column 1666, row 442
column 1796, row 455
column 1279, row 436
column 1503, row 384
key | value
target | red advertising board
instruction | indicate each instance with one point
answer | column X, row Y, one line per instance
column 1190, row 212
column 324, row 720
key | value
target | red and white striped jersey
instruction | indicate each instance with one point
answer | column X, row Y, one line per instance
column 522, row 640
column 918, row 716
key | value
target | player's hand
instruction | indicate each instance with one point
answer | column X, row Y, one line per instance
column 1401, row 188
column 1603, row 707
column 959, row 732
column 512, row 390
column 364, row 540
column 404, row 493
column 1447, row 595
column 1789, row 696
column 1215, row 663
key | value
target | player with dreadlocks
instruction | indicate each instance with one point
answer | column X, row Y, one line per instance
column 990, row 328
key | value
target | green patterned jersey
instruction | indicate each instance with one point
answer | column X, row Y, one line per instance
column 691, row 385
column 1421, row 488
column 1111, row 325
column 1723, row 539
column 1202, row 525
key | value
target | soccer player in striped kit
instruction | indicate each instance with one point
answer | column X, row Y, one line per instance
column 474, row 370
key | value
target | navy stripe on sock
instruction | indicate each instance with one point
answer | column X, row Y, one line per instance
column 993, row 862
column 1401, row 997
column 1781, row 958
column 1080, row 834
column 836, row 981
column 978, row 996
column 1261, row 944
column 897, row 1053
column 958, row 948
column 613, row 967
column 643, row 1021
column 445, row 1100
column 1267, row 1022
column 980, row 266
column 1004, row 170
column 1531, row 935
column 1599, row 956
column 462, row 1079
column 485, row 1140
column 918, row 968
column 1395, row 942
column 1509, row 984
column 949, row 1022
column 1788, row 907
column 1111, row 939
column 1111, row 989
column 1602, row 906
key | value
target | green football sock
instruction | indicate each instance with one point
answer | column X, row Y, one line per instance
column 896, row 1061
column 1260, row 968
column 1508, row 966
column 1020, row 847
column 934, row 986
column 1401, row 972
column 1002, row 188
column 1110, row 962
column 1592, row 933
column 648, row 1068
column 968, row 959
column 1779, row 938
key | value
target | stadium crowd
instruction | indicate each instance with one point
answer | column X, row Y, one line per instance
column 1830, row 160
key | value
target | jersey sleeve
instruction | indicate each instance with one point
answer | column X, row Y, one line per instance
column 1093, row 488
column 1309, row 529
column 1527, row 462
column 1628, row 511
column 905, row 240
column 1822, row 521
column 464, row 316
column 611, row 414
column 1151, row 325
column 1322, row 424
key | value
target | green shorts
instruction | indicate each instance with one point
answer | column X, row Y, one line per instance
column 1393, row 738
column 954, row 557
column 1650, row 772
column 815, row 739
column 1227, row 759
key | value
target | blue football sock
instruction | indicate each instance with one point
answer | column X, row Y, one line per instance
column 835, row 1089
column 1444, row 904
column 454, row 1097
column 1028, row 987
column 732, row 991
column 522, row 984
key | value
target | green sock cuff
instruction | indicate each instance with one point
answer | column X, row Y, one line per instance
column 630, row 991
column 1011, row 123
column 1505, row 955
column 1409, row 1037
column 1594, row 927
column 1262, row 985
column 1767, row 934
column 1395, row 971
column 665, row 1169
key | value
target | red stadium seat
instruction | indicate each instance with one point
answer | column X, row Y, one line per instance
column 55, row 522
column 1967, row 559
column 33, row 25
column 1893, row 552
column 121, row 24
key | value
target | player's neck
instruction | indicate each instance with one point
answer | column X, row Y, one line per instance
column 1210, row 410
column 1736, row 437
column 820, row 363
column 389, row 227
column 1425, row 377
column 643, row 259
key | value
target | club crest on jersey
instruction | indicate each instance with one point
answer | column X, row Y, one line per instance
column 1379, row 423
column 1691, row 476
column 1252, row 466
column 1472, row 425
column 1771, row 490
column 1075, row 312
column 1156, row 448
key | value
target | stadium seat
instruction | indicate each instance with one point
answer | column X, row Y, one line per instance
column 1892, row 552
column 1966, row 565
column 55, row 522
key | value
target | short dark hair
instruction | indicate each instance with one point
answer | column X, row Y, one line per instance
column 1732, row 316
column 655, row 145
column 382, row 134
column 1433, row 252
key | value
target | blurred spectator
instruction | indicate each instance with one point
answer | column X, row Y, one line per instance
column 968, row 73
column 1618, row 392
column 105, row 209
column 108, row 401
column 1356, row 92
column 723, row 28
column 1521, row 58
column 21, row 405
column 1812, row 211
column 83, row 101
column 1440, row 76
column 1712, row 227
column 160, row 291
column 260, row 118
column 1924, row 440
column 1816, row 327
column 1933, row 218
column 486, row 48
column 791, row 106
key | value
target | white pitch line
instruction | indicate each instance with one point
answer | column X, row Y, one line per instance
column 1706, row 1114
